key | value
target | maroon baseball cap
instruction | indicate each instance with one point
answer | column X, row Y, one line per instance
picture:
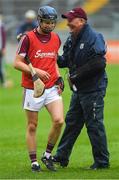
column 74, row 13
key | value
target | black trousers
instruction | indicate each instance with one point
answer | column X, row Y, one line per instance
column 86, row 108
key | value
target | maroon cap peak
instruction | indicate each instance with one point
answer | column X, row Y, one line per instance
column 74, row 13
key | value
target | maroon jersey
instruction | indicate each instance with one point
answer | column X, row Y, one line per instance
column 42, row 54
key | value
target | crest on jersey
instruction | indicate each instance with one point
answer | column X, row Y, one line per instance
column 28, row 104
column 81, row 45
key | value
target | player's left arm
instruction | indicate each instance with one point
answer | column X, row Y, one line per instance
column 60, row 82
column 57, row 70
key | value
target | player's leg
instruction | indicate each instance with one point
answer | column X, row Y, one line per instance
column 74, row 122
column 32, row 120
column 32, row 106
column 55, row 109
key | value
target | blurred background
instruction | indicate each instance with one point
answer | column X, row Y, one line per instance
column 103, row 16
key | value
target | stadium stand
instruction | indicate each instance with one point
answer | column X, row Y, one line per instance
column 103, row 15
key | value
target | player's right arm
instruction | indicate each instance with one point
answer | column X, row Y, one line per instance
column 19, row 62
column 22, row 50
column 20, row 65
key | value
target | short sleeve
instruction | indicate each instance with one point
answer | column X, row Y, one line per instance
column 23, row 46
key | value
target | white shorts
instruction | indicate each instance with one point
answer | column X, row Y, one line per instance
column 35, row 104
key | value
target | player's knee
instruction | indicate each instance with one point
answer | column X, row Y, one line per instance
column 32, row 127
column 58, row 123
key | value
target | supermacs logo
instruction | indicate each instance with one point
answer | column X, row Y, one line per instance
column 40, row 54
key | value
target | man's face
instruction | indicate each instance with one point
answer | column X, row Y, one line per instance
column 47, row 25
column 75, row 25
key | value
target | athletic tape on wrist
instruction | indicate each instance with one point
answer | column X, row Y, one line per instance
column 35, row 77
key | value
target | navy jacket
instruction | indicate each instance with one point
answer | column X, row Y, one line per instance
column 85, row 58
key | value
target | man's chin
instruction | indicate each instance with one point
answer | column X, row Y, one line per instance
column 47, row 31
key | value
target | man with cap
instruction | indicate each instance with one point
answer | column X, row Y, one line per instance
column 84, row 56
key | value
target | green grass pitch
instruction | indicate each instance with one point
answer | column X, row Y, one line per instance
column 14, row 162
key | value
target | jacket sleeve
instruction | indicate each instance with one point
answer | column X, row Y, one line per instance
column 91, row 68
column 96, row 61
column 99, row 45
column 62, row 62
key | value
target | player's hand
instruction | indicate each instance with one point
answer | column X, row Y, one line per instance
column 43, row 75
column 60, row 85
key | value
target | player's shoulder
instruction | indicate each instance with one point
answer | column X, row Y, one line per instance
column 24, row 39
column 55, row 35
column 30, row 34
